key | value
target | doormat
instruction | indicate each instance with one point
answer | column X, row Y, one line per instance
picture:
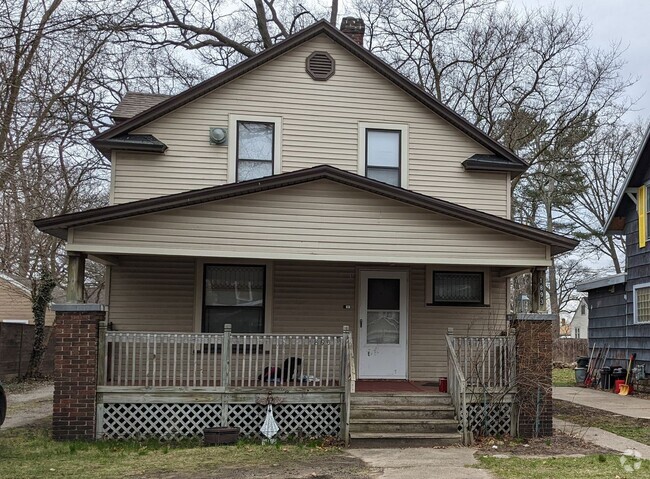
column 430, row 385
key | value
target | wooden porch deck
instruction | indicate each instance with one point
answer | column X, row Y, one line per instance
column 388, row 385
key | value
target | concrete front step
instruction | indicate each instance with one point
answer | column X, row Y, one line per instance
column 400, row 439
column 404, row 425
column 400, row 399
column 365, row 411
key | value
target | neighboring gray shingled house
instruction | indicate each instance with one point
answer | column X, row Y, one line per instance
column 619, row 306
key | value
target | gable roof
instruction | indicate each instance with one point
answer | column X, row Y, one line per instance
column 17, row 284
column 636, row 177
column 133, row 103
column 58, row 225
column 506, row 157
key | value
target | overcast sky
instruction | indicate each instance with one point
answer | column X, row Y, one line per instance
column 627, row 21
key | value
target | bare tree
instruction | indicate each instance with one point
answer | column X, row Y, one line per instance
column 604, row 166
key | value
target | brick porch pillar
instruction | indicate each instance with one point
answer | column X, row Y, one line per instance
column 76, row 336
column 534, row 339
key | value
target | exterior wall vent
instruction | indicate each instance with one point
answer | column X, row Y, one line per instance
column 320, row 66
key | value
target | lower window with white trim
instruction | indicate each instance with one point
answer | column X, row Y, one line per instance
column 457, row 287
column 233, row 294
column 642, row 303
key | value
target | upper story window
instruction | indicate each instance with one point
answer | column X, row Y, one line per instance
column 383, row 152
column 254, row 147
column 583, row 309
column 383, row 155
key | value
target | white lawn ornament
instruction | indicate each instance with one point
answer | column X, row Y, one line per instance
column 270, row 428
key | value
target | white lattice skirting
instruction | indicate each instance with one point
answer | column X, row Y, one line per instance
column 175, row 421
column 490, row 419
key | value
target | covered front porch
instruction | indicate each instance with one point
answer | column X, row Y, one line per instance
column 290, row 262
column 164, row 373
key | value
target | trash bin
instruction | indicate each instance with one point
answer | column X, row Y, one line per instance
column 606, row 378
column 618, row 373
column 581, row 374
column 582, row 362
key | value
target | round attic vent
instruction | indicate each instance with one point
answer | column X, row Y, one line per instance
column 320, row 66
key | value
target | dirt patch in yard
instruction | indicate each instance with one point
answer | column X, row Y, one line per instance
column 629, row 427
column 28, row 404
column 332, row 466
column 559, row 444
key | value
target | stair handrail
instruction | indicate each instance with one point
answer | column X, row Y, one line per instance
column 349, row 377
column 457, row 386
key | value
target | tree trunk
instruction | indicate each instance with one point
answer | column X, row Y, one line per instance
column 41, row 298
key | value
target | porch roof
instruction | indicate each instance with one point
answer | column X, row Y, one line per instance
column 59, row 225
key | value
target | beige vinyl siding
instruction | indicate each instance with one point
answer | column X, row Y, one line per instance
column 320, row 126
column 152, row 294
column 320, row 220
column 310, row 298
column 428, row 326
column 16, row 304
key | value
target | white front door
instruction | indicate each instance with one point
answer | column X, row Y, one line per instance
column 383, row 318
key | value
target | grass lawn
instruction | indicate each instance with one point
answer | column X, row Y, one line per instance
column 589, row 467
column 632, row 428
column 30, row 453
column 564, row 377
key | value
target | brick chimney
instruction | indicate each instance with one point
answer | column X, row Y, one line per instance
column 354, row 28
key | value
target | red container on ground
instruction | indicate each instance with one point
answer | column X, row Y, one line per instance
column 617, row 386
column 442, row 385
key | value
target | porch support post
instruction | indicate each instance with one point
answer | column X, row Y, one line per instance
column 538, row 287
column 76, row 269
column 226, row 352
column 77, row 366
column 534, row 358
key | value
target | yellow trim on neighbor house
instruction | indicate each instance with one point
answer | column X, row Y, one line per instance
column 641, row 208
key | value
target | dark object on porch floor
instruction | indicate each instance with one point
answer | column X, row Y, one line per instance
column 430, row 385
column 291, row 365
column 220, row 435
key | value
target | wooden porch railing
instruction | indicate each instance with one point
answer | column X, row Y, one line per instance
column 228, row 360
column 488, row 362
column 482, row 370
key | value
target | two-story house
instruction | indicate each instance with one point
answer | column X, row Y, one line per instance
column 307, row 189
column 619, row 305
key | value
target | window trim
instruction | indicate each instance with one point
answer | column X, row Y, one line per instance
column 428, row 284
column 233, row 143
column 403, row 150
column 199, row 287
column 634, row 302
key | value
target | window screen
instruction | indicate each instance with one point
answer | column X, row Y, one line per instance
column 234, row 294
column 457, row 288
